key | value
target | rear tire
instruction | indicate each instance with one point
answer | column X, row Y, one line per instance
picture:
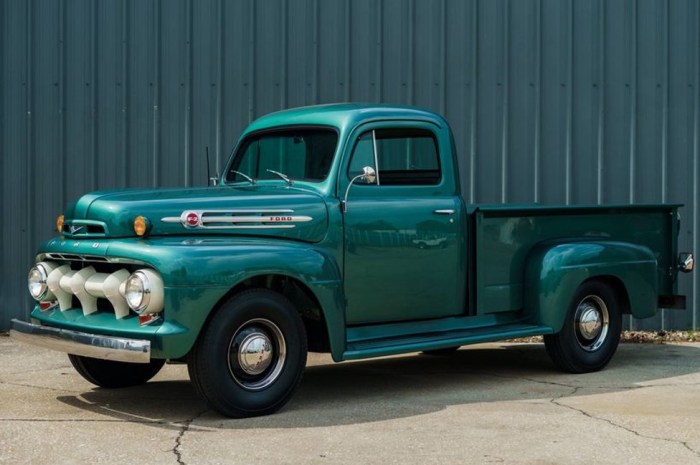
column 111, row 374
column 591, row 331
column 251, row 355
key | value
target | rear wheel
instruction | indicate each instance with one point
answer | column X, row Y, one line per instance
column 591, row 331
column 251, row 356
column 111, row 374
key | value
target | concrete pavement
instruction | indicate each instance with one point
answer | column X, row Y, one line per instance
column 491, row 403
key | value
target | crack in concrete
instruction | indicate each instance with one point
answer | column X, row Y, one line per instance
column 565, row 385
column 532, row 380
column 47, row 388
column 555, row 401
column 668, row 385
column 83, row 420
column 178, row 439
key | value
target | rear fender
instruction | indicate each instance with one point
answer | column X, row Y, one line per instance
column 555, row 270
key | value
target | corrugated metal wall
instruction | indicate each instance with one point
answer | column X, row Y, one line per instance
column 554, row 101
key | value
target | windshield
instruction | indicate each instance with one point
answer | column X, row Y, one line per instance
column 303, row 154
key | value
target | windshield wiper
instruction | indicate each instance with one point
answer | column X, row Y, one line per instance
column 245, row 176
column 282, row 175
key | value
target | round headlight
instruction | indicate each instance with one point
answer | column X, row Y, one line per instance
column 138, row 291
column 36, row 282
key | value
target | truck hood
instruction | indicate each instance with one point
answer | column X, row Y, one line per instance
column 285, row 212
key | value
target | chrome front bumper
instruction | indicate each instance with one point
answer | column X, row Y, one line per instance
column 117, row 349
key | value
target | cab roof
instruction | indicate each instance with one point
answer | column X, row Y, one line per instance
column 343, row 116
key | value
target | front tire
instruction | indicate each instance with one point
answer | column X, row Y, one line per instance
column 591, row 331
column 251, row 356
column 112, row 374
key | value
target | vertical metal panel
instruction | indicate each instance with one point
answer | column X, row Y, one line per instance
column 474, row 107
column 505, row 102
column 600, row 86
column 156, row 91
column 692, row 54
column 4, row 286
column 537, row 106
column 551, row 101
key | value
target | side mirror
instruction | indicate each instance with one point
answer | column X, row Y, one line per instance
column 368, row 175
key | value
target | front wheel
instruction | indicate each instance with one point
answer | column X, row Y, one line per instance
column 112, row 374
column 591, row 331
column 250, row 358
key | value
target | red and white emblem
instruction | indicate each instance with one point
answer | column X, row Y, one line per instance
column 192, row 219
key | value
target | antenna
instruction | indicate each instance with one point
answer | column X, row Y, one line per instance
column 210, row 180
column 208, row 174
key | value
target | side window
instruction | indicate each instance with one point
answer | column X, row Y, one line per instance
column 362, row 155
column 406, row 156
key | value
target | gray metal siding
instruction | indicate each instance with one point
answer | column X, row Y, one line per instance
column 554, row 101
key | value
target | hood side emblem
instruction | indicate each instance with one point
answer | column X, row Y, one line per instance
column 238, row 219
column 74, row 229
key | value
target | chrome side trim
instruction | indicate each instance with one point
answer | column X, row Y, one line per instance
column 88, row 345
column 232, row 219
column 256, row 219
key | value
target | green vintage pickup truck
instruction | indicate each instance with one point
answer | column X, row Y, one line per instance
column 336, row 229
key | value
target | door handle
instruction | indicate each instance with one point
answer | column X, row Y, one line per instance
column 444, row 212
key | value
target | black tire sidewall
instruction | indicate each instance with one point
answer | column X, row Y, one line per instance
column 114, row 374
column 583, row 360
column 214, row 378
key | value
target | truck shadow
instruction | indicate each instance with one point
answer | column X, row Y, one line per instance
column 399, row 387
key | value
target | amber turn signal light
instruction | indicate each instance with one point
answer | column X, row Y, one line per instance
column 141, row 225
column 59, row 223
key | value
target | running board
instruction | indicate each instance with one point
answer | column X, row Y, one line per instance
column 418, row 342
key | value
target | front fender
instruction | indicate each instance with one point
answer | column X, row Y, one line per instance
column 213, row 269
column 198, row 273
column 555, row 270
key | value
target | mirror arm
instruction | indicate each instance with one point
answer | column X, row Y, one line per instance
column 347, row 191
column 368, row 174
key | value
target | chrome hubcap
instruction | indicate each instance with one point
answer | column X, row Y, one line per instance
column 591, row 323
column 256, row 354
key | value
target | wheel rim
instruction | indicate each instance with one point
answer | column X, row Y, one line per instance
column 256, row 354
column 591, row 323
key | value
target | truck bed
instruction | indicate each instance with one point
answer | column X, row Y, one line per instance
column 502, row 237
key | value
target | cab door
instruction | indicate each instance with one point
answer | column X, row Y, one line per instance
column 404, row 250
